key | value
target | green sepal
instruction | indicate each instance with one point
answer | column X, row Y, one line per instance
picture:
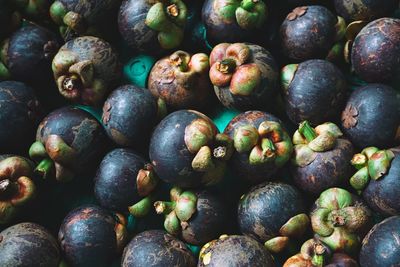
column 141, row 208
column 172, row 224
column 287, row 75
column 4, row 72
column 360, row 179
column 37, row 151
column 277, row 244
column 295, row 226
column 335, row 198
column 323, row 142
column 342, row 240
column 303, row 155
column 379, row 163
column 227, row 12
column 186, row 206
column 251, row 15
column 58, row 12
column 319, row 222
column 245, row 138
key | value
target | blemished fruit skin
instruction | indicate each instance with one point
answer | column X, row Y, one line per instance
column 375, row 54
column 28, row 54
column 88, row 237
column 28, row 244
column 308, row 32
column 372, row 116
column 20, row 114
column 276, row 203
column 365, row 9
column 235, row 251
column 315, row 93
column 129, row 115
column 380, row 248
column 157, row 248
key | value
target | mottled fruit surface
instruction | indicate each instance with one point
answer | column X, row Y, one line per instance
column 367, row 10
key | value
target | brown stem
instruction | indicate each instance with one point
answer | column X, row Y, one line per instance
column 219, row 152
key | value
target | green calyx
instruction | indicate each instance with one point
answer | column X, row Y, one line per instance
column 295, row 227
column 169, row 21
column 178, row 211
column 54, row 158
column 340, row 28
column 142, row 208
column 67, row 20
column 287, row 75
column 309, row 141
column 268, row 143
column 371, row 163
column 211, row 149
column 337, row 219
column 146, row 180
column 187, row 66
column 58, row 12
column 315, row 251
column 249, row 14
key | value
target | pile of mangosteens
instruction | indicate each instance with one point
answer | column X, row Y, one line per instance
column 223, row 133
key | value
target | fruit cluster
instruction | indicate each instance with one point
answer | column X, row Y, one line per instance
column 199, row 133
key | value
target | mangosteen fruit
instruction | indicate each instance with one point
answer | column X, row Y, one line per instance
column 366, row 10
column 197, row 217
column 372, row 116
column 181, row 80
column 28, row 244
column 129, row 115
column 311, row 32
column 234, row 21
column 313, row 90
column 10, row 18
column 186, row 150
column 28, row 53
column 85, row 69
column 274, row 214
column 172, row 252
column 340, row 220
column 234, row 251
column 314, row 253
column 377, row 178
column 124, row 182
column 152, row 26
column 321, row 157
column 80, row 17
column 261, row 145
column 245, row 76
column 92, row 236
column 19, row 116
column 380, row 248
column 375, row 53
column 16, row 186
column 69, row 141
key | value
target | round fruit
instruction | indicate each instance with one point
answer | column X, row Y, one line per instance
column 69, row 141
column 234, row 251
column 152, row 26
column 91, row 236
column 380, row 248
column 28, row 244
column 245, row 76
column 367, row 10
column 197, row 217
column 124, row 180
column 234, row 21
column 273, row 213
column 186, row 150
column 310, row 32
column 372, row 116
column 142, row 248
column 19, row 116
column 129, row 115
column 85, row 69
column 262, row 145
column 375, row 54
column 322, row 157
column 181, row 80
column 314, row 91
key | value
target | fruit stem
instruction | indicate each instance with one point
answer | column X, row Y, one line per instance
column 164, row 207
column 173, row 10
column 219, row 152
column 44, row 167
column 318, row 259
column 307, row 131
column 226, row 66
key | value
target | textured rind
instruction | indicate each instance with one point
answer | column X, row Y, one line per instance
column 236, row 251
column 115, row 182
column 87, row 237
column 329, row 169
column 91, row 11
column 264, row 92
column 266, row 208
column 309, row 36
column 377, row 116
column 375, row 54
column 364, row 9
column 316, row 93
column 240, row 161
column 381, row 246
column 28, row 244
column 157, row 248
column 129, row 115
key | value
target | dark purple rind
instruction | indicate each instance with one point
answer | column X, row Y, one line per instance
column 365, row 9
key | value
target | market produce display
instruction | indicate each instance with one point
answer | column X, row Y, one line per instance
column 226, row 133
